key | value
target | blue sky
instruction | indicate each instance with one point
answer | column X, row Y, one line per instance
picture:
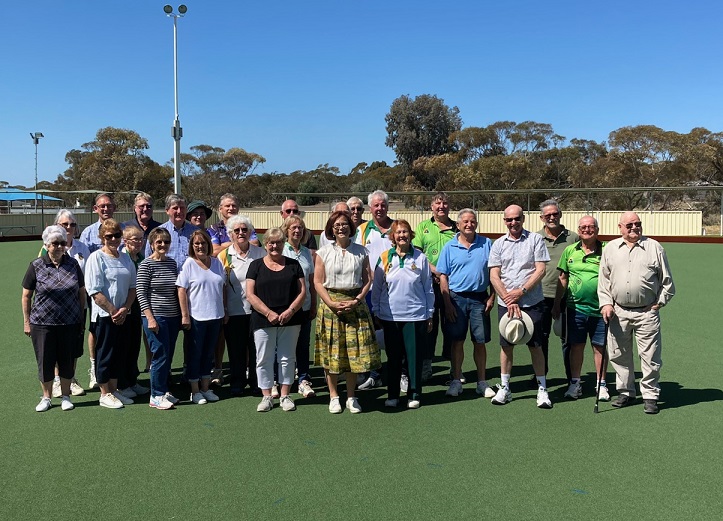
column 307, row 83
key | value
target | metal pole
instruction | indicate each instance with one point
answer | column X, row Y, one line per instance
column 177, row 130
column 36, row 175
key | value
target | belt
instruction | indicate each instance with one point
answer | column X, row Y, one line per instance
column 632, row 308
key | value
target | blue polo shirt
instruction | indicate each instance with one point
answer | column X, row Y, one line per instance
column 180, row 239
column 466, row 268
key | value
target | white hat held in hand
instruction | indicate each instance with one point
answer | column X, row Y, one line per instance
column 517, row 330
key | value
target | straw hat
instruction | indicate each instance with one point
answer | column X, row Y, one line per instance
column 517, row 330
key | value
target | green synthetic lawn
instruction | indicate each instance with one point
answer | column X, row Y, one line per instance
column 453, row 458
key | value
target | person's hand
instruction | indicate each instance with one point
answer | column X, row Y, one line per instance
column 607, row 312
column 512, row 297
column 273, row 318
column 430, row 325
column 186, row 322
column 225, row 318
column 26, row 328
column 555, row 311
column 153, row 325
column 513, row 311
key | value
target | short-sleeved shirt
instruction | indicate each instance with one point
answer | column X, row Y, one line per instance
column 204, row 289
column 180, row 239
column 582, row 270
column 57, row 291
column 112, row 276
column 307, row 264
column 466, row 268
column 403, row 287
column 555, row 247
column 430, row 239
column 89, row 236
column 343, row 268
column 516, row 259
column 276, row 289
column 79, row 251
column 236, row 267
column 219, row 234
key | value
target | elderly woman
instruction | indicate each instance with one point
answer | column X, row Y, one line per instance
column 80, row 252
column 236, row 260
column 158, row 301
column 294, row 230
column 53, row 318
column 201, row 294
column 345, row 340
column 403, row 301
column 110, row 280
column 276, row 288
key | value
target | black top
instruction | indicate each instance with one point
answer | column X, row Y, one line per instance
column 276, row 289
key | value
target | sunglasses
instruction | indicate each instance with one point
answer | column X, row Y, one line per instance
column 636, row 224
column 161, row 242
column 357, row 209
column 67, row 225
column 144, row 206
column 292, row 210
column 513, row 219
column 239, row 231
column 553, row 214
column 587, row 227
column 109, row 236
column 58, row 244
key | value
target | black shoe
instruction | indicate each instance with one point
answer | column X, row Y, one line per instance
column 623, row 400
column 532, row 383
column 650, row 406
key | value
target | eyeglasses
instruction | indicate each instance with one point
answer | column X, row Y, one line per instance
column 134, row 239
column 553, row 214
column 67, row 225
column 341, row 226
column 144, row 206
column 161, row 242
column 587, row 227
column 239, row 231
column 355, row 209
column 636, row 224
column 109, row 236
column 513, row 219
column 59, row 244
column 291, row 210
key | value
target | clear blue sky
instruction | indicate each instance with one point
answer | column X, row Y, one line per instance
column 306, row 83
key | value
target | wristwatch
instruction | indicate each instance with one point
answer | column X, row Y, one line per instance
column 524, row 290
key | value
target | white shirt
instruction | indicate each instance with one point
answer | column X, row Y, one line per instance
column 236, row 299
column 204, row 288
column 403, row 287
column 343, row 268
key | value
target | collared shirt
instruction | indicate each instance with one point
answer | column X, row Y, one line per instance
column 57, row 291
column 466, row 268
column 79, row 251
column 112, row 276
column 403, row 287
column 236, row 267
column 430, row 239
column 582, row 270
column 634, row 277
column 219, row 234
column 307, row 264
column 90, row 236
column 373, row 239
column 555, row 247
column 516, row 259
column 180, row 239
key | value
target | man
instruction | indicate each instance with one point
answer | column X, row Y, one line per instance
column 105, row 208
column 289, row 207
column 430, row 236
column 198, row 213
column 635, row 282
column 578, row 267
column 178, row 227
column 356, row 207
column 517, row 265
column 373, row 236
column 464, row 280
column 339, row 206
column 557, row 238
column 143, row 208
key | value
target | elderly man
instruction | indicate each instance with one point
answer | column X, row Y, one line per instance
column 464, row 282
column 178, row 227
column 635, row 282
column 517, row 265
column 557, row 238
column 578, row 267
column 143, row 208
column 105, row 208
column 289, row 207
column 430, row 236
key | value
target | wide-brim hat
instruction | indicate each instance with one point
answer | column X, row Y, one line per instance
column 196, row 205
column 517, row 330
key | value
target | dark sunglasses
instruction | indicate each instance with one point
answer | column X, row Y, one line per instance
column 58, row 244
column 553, row 214
column 109, row 236
column 357, row 209
column 292, row 210
column 68, row 225
column 513, row 219
column 239, row 231
column 636, row 224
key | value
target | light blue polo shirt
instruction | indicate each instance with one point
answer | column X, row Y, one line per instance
column 466, row 268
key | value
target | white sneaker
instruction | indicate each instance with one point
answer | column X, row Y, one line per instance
column 128, row 392
column 455, row 388
column 604, row 394
column 305, row 389
column 413, row 404
column 160, row 402
column 427, row 371
column 353, row 405
column 275, row 394
column 287, row 404
column 198, row 398
column 391, row 402
column 56, row 393
column 76, row 389
column 140, row 389
column 502, row 396
column 210, row 396
column 404, row 383
column 574, row 391
column 66, row 404
column 171, row 398
column 485, row 390
column 266, row 404
column 334, row 405
column 370, row 383
column 92, row 383
column 543, row 400
column 44, row 405
column 110, row 401
column 122, row 398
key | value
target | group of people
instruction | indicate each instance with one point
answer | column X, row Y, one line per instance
column 369, row 284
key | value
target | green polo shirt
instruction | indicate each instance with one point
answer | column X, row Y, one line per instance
column 582, row 270
column 430, row 239
column 555, row 249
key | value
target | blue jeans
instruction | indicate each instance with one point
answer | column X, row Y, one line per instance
column 470, row 307
column 162, row 345
column 201, row 349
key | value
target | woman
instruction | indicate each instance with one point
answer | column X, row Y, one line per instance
column 275, row 289
column 294, row 229
column 128, row 379
column 201, row 294
column 110, row 280
column 403, row 303
column 344, row 331
column 158, row 301
column 53, row 318
column 236, row 260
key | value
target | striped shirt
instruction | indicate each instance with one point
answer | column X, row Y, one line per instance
column 156, row 287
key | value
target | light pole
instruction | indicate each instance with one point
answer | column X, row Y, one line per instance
column 176, row 131
column 36, row 139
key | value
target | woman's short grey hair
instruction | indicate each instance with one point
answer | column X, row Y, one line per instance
column 466, row 210
column 237, row 220
column 378, row 194
column 54, row 233
column 64, row 212
column 274, row 234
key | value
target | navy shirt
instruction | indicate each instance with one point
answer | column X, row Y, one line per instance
column 57, row 297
